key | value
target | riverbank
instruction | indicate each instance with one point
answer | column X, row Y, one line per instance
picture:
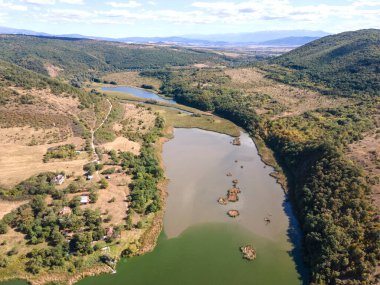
column 227, row 127
column 200, row 243
column 267, row 156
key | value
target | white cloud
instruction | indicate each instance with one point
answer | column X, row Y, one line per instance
column 40, row 2
column 75, row 2
column 52, row 2
column 12, row 6
column 271, row 13
column 3, row 17
column 65, row 15
column 129, row 4
column 267, row 10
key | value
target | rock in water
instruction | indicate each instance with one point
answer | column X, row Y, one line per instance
column 222, row 201
column 249, row 252
column 233, row 213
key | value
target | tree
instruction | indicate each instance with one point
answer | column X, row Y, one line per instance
column 89, row 168
column 129, row 222
column 56, row 237
column 81, row 243
column 93, row 197
column 38, row 204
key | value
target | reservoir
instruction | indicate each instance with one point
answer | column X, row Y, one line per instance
column 138, row 93
column 200, row 243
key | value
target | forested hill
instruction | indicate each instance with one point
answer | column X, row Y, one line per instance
column 347, row 63
column 77, row 58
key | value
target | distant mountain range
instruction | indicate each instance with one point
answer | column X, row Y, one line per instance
column 264, row 38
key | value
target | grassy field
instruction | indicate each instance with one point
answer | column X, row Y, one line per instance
column 132, row 78
column 213, row 123
column 177, row 119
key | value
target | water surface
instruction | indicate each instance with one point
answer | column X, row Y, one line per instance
column 141, row 93
column 200, row 243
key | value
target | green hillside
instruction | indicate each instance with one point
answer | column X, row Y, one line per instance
column 347, row 63
column 83, row 58
column 12, row 75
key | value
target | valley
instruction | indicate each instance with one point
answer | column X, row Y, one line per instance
column 114, row 159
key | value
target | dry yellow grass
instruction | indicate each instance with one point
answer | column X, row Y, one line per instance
column 138, row 119
column 123, row 144
column 8, row 206
column 295, row 100
column 118, row 189
column 132, row 78
column 29, row 136
column 366, row 153
column 19, row 162
column 64, row 104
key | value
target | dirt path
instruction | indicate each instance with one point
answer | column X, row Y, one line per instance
column 93, row 131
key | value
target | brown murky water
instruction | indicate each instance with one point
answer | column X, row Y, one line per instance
column 197, row 162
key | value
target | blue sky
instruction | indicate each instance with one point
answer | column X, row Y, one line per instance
column 180, row 17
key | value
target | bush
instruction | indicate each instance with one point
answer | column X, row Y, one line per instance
column 3, row 228
column 93, row 197
column 3, row 262
column 109, row 171
column 103, row 183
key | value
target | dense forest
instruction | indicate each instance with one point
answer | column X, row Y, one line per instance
column 330, row 194
column 347, row 64
column 78, row 59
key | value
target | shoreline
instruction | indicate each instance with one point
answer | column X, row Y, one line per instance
column 150, row 237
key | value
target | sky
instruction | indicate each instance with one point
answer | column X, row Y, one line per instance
column 182, row 17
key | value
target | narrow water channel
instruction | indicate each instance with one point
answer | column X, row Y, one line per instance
column 200, row 243
column 138, row 93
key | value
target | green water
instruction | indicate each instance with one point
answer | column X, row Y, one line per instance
column 200, row 243
column 205, row 254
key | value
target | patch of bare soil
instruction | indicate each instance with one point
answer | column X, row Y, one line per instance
column 117, row 127
column 123, row 144
column 294, row 101
column 52, row 70
column 200, row 65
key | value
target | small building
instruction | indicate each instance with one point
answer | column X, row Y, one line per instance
column 84, row 200
column 59, row 179
column 65, row 211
